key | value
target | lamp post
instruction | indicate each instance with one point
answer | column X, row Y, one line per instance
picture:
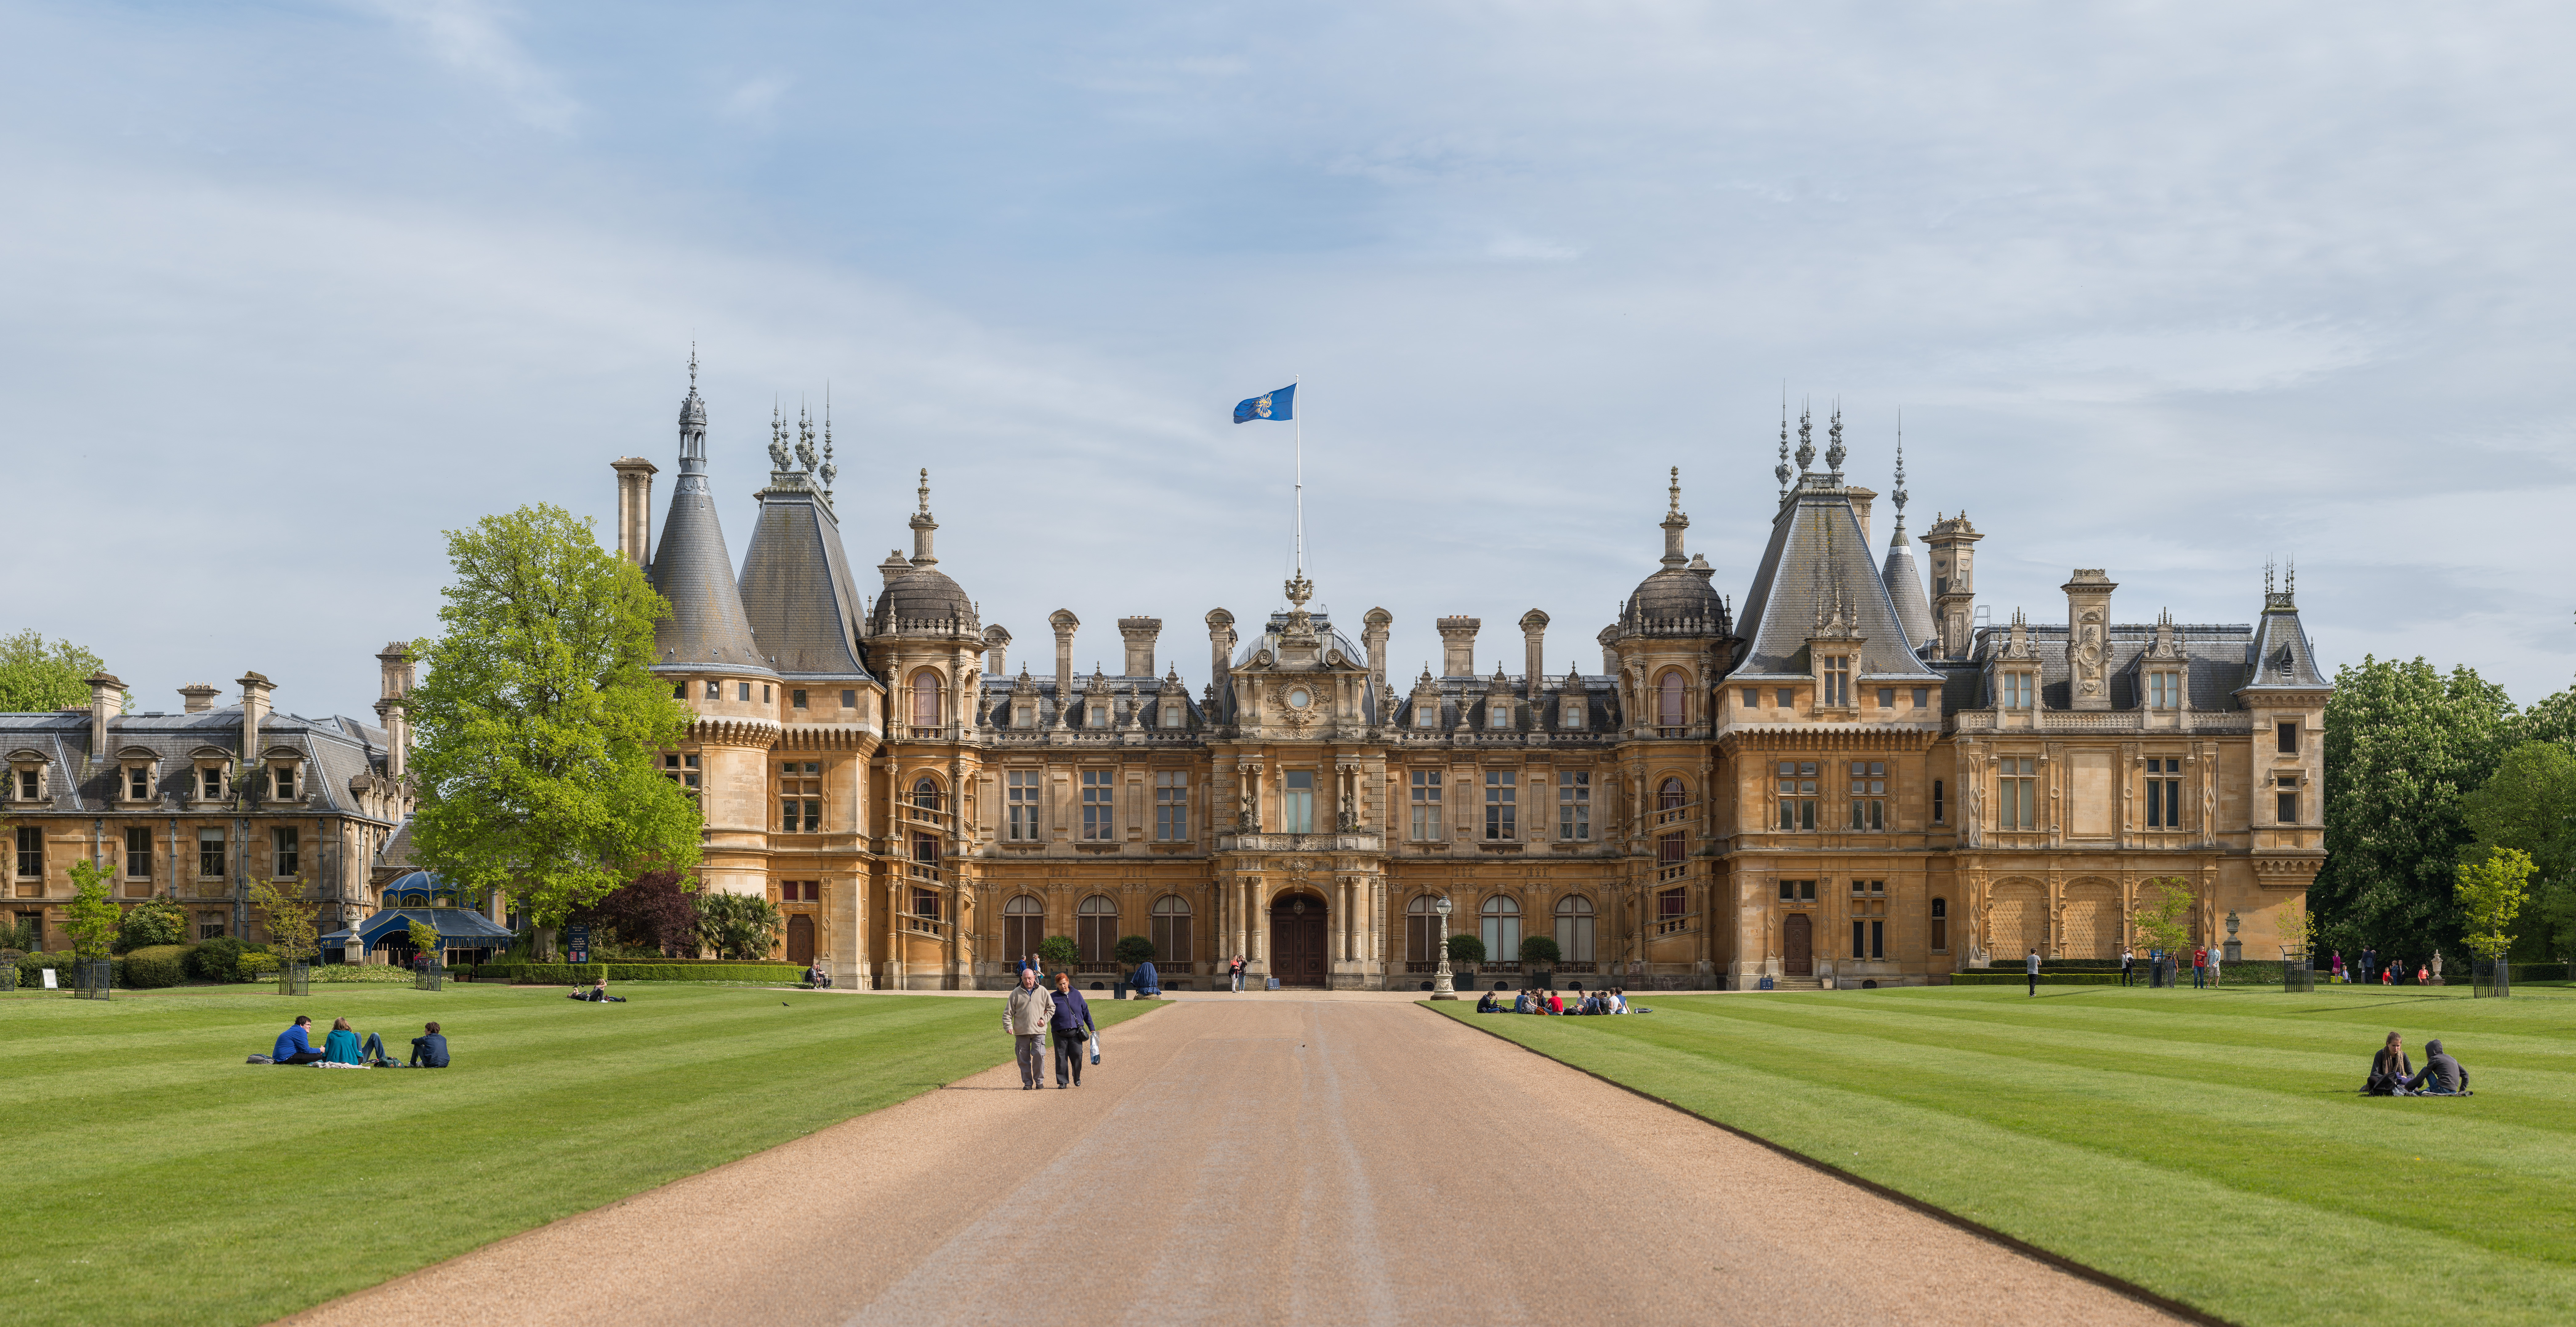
column 1440, row 987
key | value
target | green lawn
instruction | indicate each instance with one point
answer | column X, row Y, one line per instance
column 156, row 1178
column 2208, row 1145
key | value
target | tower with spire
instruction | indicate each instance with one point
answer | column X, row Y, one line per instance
column 1904, row 582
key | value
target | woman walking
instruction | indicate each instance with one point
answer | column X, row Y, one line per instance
column 1070, row 1028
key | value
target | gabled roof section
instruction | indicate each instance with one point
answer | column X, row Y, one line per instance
column 1817, row 566
column 2279, row 657
column 796, row 587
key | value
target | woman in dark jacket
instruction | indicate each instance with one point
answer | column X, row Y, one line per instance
column 2389, row 1070
column 1071, row 1027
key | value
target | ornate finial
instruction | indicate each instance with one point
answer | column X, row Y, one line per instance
column 925, row 490
column 1673, row 495
column 1834, row 452
column 1898, row 497
column 778, row 458
column 830, row 471
column 1806, row 438
column 2268, row 569
column 2290, row 580
column 805, row 437
column 1781, row 471
column 693, row 368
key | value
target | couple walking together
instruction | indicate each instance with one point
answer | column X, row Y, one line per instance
column 1035, row 1016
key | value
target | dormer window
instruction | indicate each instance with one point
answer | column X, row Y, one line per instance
column 1426, row 712
column 210, row 783
column 1175, row 714
column 2016, row 690
column 1095, row 714
column 1570, row 714
column 2164, row 691
column 1498, row 714
column 1834, row 676
column 27, row 783
column 1024, row 715
column 282, row 781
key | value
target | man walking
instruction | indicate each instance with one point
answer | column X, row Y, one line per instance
column 1069, row 1027
column 2032, row 967
column 2128, row 963
column 1025, row 1017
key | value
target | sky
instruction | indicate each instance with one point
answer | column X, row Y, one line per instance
column 288, row 290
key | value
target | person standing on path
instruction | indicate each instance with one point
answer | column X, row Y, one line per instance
column 1069, row 1027
column 1234, row 971
column 2128, row 963
column 1025, row 1016
column 2031, row 966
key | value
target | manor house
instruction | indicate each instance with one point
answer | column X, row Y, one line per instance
column 1853, row 780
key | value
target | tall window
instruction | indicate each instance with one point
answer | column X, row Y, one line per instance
column 1887, row 698
column 1426, row 712
column 1869, row 939
column 2288, row 799
column 2164, row 793
column 1422, row 930
column 2287, row 736
column 2016, row 690
column 1670, row 795
column 1099, row 810
column 1175, row 714
column 1940, row 926
column 1502, row 919
column 2017, row 793
column 211, row 781
column 849, row 698
column 285, row 842
column 1569, row 714
column 1095, row 929
column 138, row 783
column 1670, row 906
column 1868, row 794
column 138, row 854
column 1297, row 801
column 1574, row 805
column 1502, row 805
column 925, row 791
column 800, row 802
column 1835, row 676
column 796, row 700
column 1668, row 700
column 1796, row 783
column 281, row 782
column 1940, row 810
column 1498, row 713
column 210, row 854
column 1426, row 804
column 1095, row 713
column 31, row 853
column 1171, row 805
column 1023, row 926
column 925, row 904
column 1172, row 929
column 742, row 690
column 925, row 699
column 1020, row 800
column 682, row 769
column 1668, row 850
column 28, row 785
column 1574, row 928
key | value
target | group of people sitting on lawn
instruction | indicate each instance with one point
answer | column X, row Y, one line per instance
column 343, row 1049
column 2392, row 1075
column 1609, row 1001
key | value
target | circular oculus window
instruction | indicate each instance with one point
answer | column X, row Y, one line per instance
column 1299, row 699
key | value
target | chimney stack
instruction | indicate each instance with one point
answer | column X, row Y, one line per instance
column 1140, row 634
column 197, row 698
column 635, row 509
column 997, row 651
column 923, row 526
column 255, row 689
column 105, row 693
column 1220, row 625
column 1534, row 649
column 1373, row 629
column 1064, row 622
column 397, row 682
column 1458, row 646
column 1860, row 501
column 1609, row 639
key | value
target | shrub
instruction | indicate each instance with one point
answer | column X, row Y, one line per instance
column 1133, row 949
column 1540, row 950
column 568, row 974
column 31, row 969
column 153, row 922
column 380, row 974
column 156, row 966
column 254, row 965
column 1058, row 951
column 216, row 959
column 1466, row 948
column 739, row 925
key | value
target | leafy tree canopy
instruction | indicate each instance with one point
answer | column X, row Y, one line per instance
column 158, row 920
column 1133, row 949
column 652, row 911
column 92, row 916
column 2405, row 745
column 739, row 925
column 1059, row 951
column 40, row 678
column 2529, row 804
column 2491, row 893
column 539, row 722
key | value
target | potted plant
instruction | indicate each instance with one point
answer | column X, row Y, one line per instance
column 1539, row 957
column 1466, row 948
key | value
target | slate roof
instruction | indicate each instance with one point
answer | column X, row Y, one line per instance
column 796, row 587
column 1905, row 589
column 2279, row 655
column 2214, row 668
column 691, row 567
column 1818, row 559
column 335, row 750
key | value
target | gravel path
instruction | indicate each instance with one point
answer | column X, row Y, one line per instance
column 1257, row 1161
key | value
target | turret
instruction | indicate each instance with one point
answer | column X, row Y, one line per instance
column 1954, row 582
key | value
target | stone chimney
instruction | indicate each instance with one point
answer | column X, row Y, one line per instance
column 997, row 651
column 1220, row 625
column 255, row 689
column 1609, row 639
column 197, row 698
column 397, row 682
column 635, row 509
column 106, row 696
column 1140, row 634
column 895, row 566
column 1860, row 500
column 1373, row 630
column 1458, row 646
column 923, row 526
column 1534, row 650
column 1064, row 623
column 2088, row 638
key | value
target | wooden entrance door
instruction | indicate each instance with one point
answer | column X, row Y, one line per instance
column 800, row 939
column 1297, row 953
column 1797, row 946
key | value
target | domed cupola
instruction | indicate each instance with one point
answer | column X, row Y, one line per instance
column 923, row 601
column 1678, row 598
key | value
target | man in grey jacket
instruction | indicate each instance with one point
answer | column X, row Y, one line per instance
column 1025, row 1017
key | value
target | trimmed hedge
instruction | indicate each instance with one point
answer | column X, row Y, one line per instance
column 155, row 966
column 567, row 974
column 2047, row 976
column 31, row 970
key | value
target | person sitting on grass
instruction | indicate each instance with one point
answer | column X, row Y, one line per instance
column 1555, row 1003
column 2442, row 1076
column 2389, row 1070
column 429, row 1050
column 295, row 1044
column 598, row 993
column 1485, row 1003
column 342, row 1046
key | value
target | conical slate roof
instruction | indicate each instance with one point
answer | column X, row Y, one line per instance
column 1905, row 589
column 796, row 585
column 1816, row 568
column 707, row 627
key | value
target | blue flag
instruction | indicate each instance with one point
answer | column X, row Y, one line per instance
column 1281, row 404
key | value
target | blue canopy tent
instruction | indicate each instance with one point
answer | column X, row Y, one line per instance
column 423, row 896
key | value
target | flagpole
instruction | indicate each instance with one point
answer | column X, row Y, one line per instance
column 1298, row 417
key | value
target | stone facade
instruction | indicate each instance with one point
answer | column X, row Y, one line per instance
column 1856, row 782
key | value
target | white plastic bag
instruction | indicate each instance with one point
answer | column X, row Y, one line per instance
column 1095, row 1045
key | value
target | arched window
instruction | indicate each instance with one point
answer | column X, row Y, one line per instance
column 1670, row 795
column 1668, row 700
column 925, row 793
column 925, row 699
column 1023, row 926
column 1422, row 929
column 1095, row 929
column 1171, row 929
column 1574, row 928
column 1940, row 926
column 1502, row 917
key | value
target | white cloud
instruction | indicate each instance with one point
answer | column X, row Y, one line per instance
column 472, row 38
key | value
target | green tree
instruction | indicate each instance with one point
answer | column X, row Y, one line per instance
column 425, row 940
column 2404, row 745
column 1133, row 949
column 92, row 915
column 2164, row 919
column 1466, row 947
column 1059, row 952
column 2295, row 927
column 1540, row 951
column 739, row 925
column 36, row 678
column 539, row 722
column 2491, row 896
column 158, row 920
column 288, row 919
column 2529, row 804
